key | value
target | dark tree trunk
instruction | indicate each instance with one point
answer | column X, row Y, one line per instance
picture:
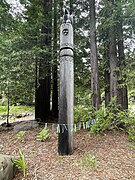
column 113, row 64
column 94, row 60
column 107, row 73
column 71, row 6
column 122, row 90
column 125, row 97
column 8, row 106
column 43, row 99
column 42, row 107
column 36, row 87
column 55, row 84
column 61, row 8
column 107, row 87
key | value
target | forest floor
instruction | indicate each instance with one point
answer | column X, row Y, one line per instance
column 109, row 156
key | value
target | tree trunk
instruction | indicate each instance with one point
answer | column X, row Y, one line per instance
column 43, row 99
column 94, row 60
column 71, row 6
column 42, row 108
column 107, row 87
column 107, row 73
column 113, row 62
column 8, row 106
column 123, row 93
column 55, row 84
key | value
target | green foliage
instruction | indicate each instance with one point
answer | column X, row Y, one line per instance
column 131, row 132
column 90, row 160
column 132, row 95
column 112, row 118
column 16, row 109
column 82, row 95
column 20, row 135
column 43, row 135
column 130, row 126
column 21, row 162
column 109, row 118
column 132, row 146
column 83, row 113
column 87, row 160
column 3, row 110
column 100, row 124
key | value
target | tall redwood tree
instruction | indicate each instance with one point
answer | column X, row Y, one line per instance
column 94, row 59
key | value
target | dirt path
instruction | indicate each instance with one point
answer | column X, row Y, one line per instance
column 114, row 158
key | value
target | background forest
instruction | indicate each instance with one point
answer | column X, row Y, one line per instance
column 104, row 58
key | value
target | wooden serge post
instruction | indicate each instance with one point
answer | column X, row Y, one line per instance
column 66, row 98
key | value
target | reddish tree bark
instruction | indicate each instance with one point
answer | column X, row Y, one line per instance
column 94, row 60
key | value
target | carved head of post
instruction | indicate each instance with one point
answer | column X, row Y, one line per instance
column 67, row 18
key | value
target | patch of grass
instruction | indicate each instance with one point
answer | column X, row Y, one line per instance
column 88, row 161
column 132, row 146
column 32, row 151
column 16, row 109
column 3, row 110
column 132, row 107
column 20, row 135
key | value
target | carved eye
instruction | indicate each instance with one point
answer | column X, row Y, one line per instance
column 65, row 32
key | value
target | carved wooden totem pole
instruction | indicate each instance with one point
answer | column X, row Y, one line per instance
column 66, row 98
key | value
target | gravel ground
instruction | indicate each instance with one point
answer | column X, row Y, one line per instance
column 111, row 153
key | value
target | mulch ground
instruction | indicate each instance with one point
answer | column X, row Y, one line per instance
column 112, row 153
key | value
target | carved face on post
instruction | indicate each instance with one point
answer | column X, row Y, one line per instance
column 66, row 36
column 65, row 32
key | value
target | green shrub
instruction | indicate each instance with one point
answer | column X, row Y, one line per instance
column 130, row 126
column 20, row 163
column 43, row 135
column 83, row 113
column 131, row 133
column 109, row 118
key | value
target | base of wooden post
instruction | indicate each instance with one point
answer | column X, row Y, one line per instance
column 64, row 143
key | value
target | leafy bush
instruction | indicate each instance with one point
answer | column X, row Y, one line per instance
column 131, row 133
column 100, row 124
column 112, row 118
column 130, row 126
column 109, row 118
column 82, row 96
column 43, row 135
column 20, row 163
column 83, row 113
column 132, row 95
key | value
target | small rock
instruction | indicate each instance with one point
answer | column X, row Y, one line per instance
column 23, row 126
column 7, row 168
column 19, row 116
